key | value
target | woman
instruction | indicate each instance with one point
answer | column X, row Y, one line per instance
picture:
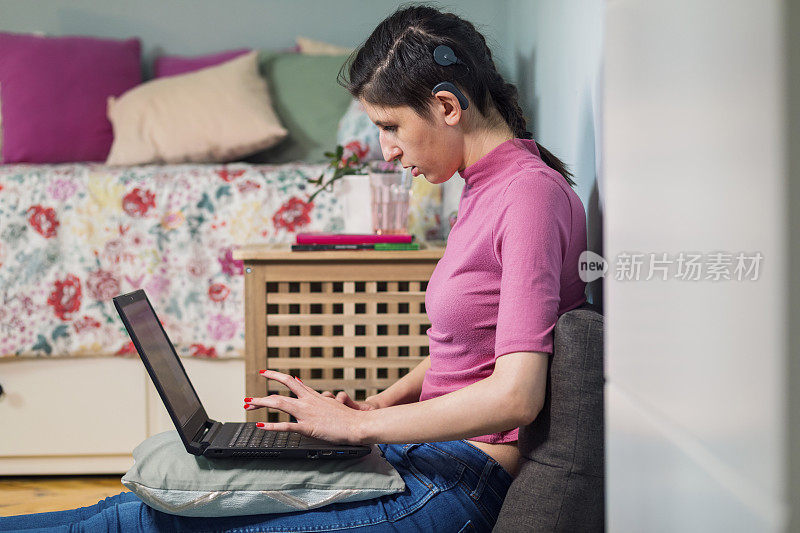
column 428, row 81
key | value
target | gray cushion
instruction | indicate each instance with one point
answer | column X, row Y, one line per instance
column 560, row 486
column 165, row 476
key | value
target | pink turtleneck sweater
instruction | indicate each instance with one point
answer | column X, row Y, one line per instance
column 509, row 270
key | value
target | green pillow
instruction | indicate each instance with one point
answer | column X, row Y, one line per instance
column 168, row 478
column 308, row 101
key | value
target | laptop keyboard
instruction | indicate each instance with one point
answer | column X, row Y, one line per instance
column 248, row 436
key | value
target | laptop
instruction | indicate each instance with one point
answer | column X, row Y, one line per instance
column 200, row 434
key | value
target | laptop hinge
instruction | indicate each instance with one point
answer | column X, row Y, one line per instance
column 204, row 437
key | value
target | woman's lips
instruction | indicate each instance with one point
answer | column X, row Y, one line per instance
column 414, row 171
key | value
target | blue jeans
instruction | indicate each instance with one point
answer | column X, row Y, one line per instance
column 450, row 486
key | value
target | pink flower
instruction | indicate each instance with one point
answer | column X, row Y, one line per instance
column 173, row 220
column 157, row 286
column 221, row 328
column 62, row 189
column 102, row 285
column 230, row 266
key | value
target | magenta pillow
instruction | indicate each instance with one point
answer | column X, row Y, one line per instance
column 174, row 65
column 53, row 92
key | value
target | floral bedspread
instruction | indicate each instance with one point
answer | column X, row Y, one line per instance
column 73, row 236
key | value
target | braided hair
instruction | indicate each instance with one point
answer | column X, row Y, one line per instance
column 394, row 67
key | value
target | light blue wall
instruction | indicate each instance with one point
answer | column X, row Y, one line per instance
column 202, row 26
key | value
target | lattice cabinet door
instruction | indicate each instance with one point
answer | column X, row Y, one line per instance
column 352, row 321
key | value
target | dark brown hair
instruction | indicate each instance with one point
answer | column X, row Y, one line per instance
column 395, row 67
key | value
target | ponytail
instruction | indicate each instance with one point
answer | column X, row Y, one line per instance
column 555, row 163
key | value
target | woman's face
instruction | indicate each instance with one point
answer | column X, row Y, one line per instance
column 429, row 147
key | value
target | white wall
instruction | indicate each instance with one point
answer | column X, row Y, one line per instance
column 792, row 84
column 696, row 161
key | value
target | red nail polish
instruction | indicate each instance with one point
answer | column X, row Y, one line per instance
column 261, row 371
column 248, row 399
column 259, row 424
column 246, row 406
column 298, row 379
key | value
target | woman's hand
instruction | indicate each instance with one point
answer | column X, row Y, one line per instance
column 319, row 416
column 367, row 405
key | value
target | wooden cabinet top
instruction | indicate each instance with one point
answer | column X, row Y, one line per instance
column 282, row 252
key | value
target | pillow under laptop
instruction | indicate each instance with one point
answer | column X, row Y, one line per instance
column 171, row 480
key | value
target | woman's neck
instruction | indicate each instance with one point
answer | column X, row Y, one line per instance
column 480, row 142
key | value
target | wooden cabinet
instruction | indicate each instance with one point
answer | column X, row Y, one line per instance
column 338, row 320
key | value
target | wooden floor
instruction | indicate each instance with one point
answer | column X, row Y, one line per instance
column 38, row 494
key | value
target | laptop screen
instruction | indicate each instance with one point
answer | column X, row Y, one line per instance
column 158, row 351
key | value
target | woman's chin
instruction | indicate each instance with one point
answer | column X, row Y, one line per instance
column 435, row 179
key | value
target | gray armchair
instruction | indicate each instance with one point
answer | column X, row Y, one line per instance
column 561, row 484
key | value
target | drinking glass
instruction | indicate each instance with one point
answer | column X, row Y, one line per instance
column 391, row 195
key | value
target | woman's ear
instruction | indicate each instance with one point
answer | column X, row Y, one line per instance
column 448, row 107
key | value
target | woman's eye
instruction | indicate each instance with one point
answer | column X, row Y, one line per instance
column 390, row 129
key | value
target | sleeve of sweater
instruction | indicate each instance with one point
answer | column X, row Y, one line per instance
column 530, row 238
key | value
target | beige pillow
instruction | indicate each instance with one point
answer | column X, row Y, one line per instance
column 215, row 114
column 318, row 48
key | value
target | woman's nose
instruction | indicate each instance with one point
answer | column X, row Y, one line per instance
column 390, row 152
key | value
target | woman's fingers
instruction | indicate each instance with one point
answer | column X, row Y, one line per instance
column 280, row 426
column 294, row 385
column 273, row 401
column 344, row 398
